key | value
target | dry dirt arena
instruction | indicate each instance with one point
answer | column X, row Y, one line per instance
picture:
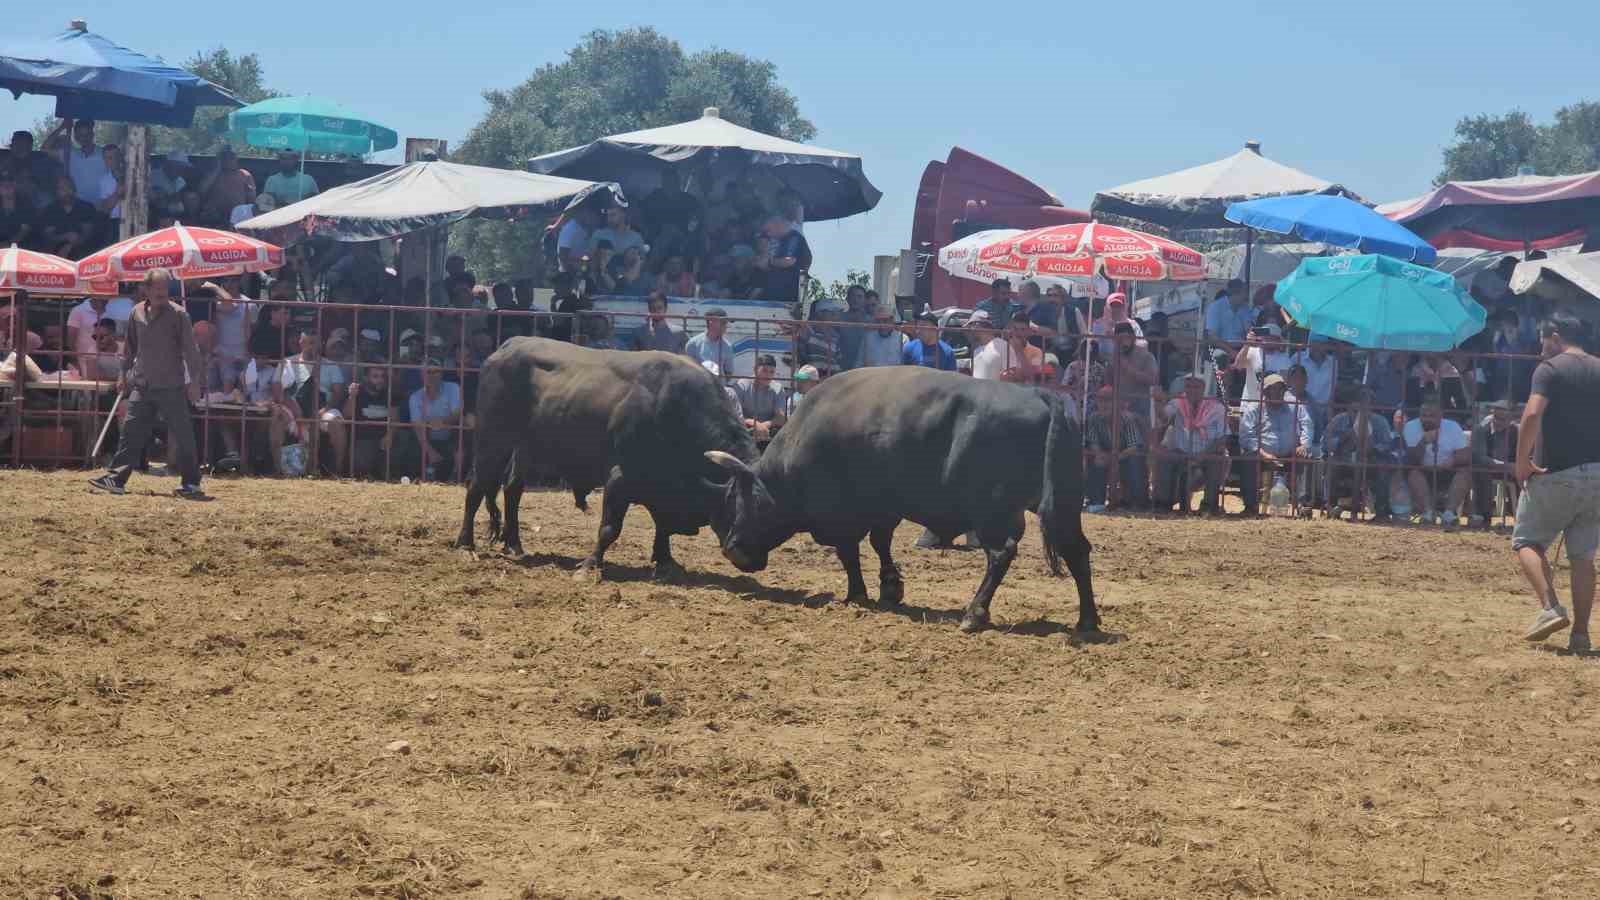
column 208, row 700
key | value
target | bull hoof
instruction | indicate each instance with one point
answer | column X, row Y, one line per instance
column 891, row 594
column 515, row 551
column 1091, row 627
column 668, row 571
column 971, row 624
column 464, row 543
column 589, row 570
column 860, row 598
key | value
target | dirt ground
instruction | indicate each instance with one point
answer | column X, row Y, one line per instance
column 207, row 699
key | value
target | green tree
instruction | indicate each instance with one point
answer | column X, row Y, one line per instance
column 240, row 75
column 835, row 290
column 1497, row 146
column 612, row 81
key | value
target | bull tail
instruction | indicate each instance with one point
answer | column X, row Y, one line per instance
column 1061, row 497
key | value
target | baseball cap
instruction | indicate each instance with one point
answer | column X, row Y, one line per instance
column 716, row 312
column 371, row 334
column 436, row 340
column 1118, row 297
column 406, row 335
column 1273, row 380
column 339, row 334
column 806, row 372
column 711, row 367
column 980, row 317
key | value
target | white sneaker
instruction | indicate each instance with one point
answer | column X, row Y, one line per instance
column 1548, row 622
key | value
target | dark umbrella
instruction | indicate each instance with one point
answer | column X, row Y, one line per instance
column 829, row 182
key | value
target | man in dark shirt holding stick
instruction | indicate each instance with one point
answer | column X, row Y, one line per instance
column 1561, row 490
column 156, row 358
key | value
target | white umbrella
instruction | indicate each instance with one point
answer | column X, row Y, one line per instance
column 960, row 258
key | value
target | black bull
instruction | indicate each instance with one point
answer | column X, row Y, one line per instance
column 869, row 448
column 637, row 424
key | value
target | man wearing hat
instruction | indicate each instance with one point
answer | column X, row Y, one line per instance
column 805, row 378
column 263, row 203
column 883, row 344
column 369, row 346
column 1494, row 445
column 1196, row 429
column 290, row 184
column 1275, row 434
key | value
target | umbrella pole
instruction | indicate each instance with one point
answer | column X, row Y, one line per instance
column 1249, row 244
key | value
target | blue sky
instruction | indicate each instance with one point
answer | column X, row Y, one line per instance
column 1078, row 97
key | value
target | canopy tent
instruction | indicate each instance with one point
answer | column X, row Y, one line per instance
column 93, row 78
column 1198, row 198
column 422, row 195
column 1504, row 213
column 1560, row 277
column 830, row 182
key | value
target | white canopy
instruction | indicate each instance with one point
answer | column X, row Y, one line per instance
column 1581, row 271
column 1196, row 198
column 424, row 194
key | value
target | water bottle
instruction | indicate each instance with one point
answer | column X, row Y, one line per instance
column 1278, row 497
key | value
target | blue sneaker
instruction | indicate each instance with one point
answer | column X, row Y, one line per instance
column 108, row 484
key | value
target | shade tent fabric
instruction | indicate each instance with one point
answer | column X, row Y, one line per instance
column 1339, row 221
column 1579, row 270
column 1521, row 208
column 93, row 78
column 422, row 195
column 1198, row 198
column 308, row 124
column 831, row 182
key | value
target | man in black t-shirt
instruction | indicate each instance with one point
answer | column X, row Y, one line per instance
column 70, row 227
column 787, row 256
column 1561, row 488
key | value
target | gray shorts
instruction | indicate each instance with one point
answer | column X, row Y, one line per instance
column 1567, row 502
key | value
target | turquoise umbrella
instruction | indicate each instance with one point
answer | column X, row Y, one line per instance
column 1380, row 303
column 307, row 124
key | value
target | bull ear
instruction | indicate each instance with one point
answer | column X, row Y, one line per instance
column 730, row 462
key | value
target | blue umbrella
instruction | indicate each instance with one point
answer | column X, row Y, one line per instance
column 1333, row 220
column 92, row 78
column 1380, row 303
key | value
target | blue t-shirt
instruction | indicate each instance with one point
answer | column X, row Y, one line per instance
column 940, row 356
column 448, row 403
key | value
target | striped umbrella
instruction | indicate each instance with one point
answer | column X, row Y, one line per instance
column 43, row 273
column 186, row 252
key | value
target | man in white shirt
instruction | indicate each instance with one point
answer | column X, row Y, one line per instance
column 991, row 353
column 572, row 242
column 1438, row 454
column 289, row 184
column 1262, row 355
column 80, row 330
column 85, row 162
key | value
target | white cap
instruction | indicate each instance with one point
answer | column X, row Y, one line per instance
column 712, row 367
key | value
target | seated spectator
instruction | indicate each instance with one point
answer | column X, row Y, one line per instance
column 1044, row 316
column 850, row 336
column 52, row 357
column 675, row 280
column 567, row 303
column 760, row 400
column 805, row 378
column 656, row 333
column 479, row 347
column 225, row 186
column 1128, row 456
column 69, row 227
column 32, row 173
column 597, row 333
column 270, row 336
column 629, row 275
column 338, row 347
column 167, row 177
column 928, row 350
column 594, row 277
column 1436, row 374
column 991, row 354
column 436, row 410
column 261, row 205
column 743, row 280
column 374, row 417
column 290, row 184
column 711, row 346
column 1438, row 454
column 370, row 347
column 317, row 386
column 883, row 345
column 18, row 220
column 1355, row 439
column 1274, row 434
column 618, row 233
column 1195, row 429
column 787, row 256
column 999, row 305
column 264, row 386
column 104, row 363
column 1494, row 446
column 730, row 395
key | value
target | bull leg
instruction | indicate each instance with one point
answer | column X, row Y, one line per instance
column 513, row 528
column 977, row 616
column 476, row 492
column 1077, row 558
column 850, row 554
column 613, row 509
column 667, row 568
column 891, row 586
column 494, row 516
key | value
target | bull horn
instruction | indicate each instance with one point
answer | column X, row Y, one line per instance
column 728, row 461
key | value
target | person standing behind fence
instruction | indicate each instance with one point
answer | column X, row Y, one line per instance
column 656, row 333
column 159, row 349
column 710, row 346
column 1561, row 490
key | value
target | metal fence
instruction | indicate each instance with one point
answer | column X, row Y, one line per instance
column 1133, row 451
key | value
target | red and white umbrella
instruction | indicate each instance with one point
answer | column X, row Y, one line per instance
column 1083, row 249
column 42, row 273
column 187, row 252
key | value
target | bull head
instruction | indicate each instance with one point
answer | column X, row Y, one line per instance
column 739, row 521
column 734, row 464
